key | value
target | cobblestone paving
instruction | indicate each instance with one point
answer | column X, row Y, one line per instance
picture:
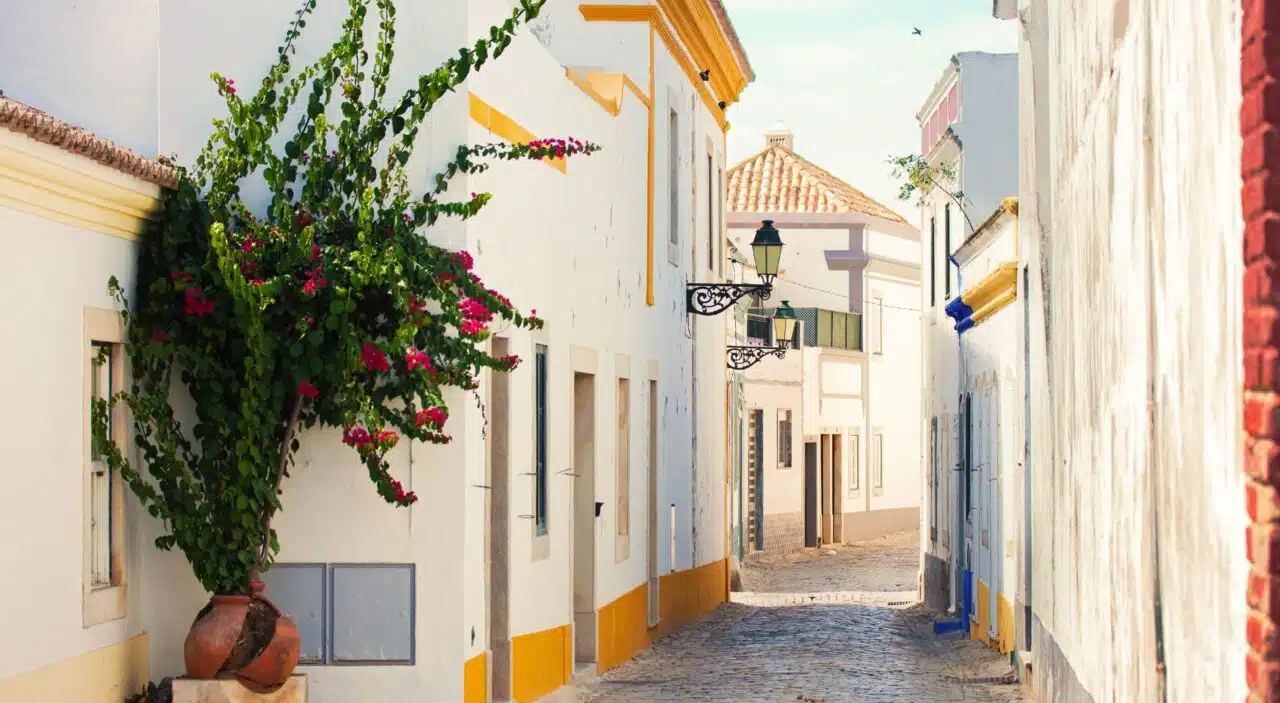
column 860, row 639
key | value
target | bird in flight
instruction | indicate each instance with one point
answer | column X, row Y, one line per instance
column 916, row 31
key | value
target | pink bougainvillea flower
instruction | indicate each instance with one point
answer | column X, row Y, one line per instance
column 196, row 303
column 309, row 287
column 434, row 417
column 257, row 282
column 306, row 390
column 315, row 253
column 387, row 438
column 305, row 219
column 250, row 244
column 473, row 309
column 448, row 278
column 464, row 259
column 357, row 437
column 373, row 358
column 180, row 276
column 510, row 361
column 471, row 328
column 417, row 305
column 160, row 336
column 414, row 359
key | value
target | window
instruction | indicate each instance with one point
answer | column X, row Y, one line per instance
column 623, row 543
column 711, row 213
column 720, row 234
column 104, row 520
column 877, row 325
column 673, row 175
column 946, row 254
column 934, row 484
column 540, row 439
column 855, row 463
column 933, row 261
column 784, row 439
column 877, row 460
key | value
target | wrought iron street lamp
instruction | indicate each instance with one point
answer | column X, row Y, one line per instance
column 741, row 358
column 714, row 298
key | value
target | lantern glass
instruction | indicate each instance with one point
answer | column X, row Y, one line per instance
column 784, row 325
column 766, row 249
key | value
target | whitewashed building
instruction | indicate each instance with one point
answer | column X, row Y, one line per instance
column 968, row 123
column 833, row 435
column 982, row 505
column 479, row 591
column 1144, row 424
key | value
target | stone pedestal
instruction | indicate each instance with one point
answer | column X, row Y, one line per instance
column 232, row 691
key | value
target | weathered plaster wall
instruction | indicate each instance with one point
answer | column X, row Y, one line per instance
column 1135, row 467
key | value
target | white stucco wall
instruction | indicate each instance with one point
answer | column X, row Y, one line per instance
column 542, row 229
column 773, row 385
column 894, row 406
column 43, row 431
column 1133, row 241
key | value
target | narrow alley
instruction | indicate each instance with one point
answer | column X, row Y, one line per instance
column 836, row 625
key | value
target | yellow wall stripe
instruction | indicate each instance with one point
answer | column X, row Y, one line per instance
column 475, row 680
column 541, row 662
column 106, row 675
column 607, row 89
column 506, row 128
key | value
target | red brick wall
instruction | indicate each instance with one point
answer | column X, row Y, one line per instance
column 1260, row 164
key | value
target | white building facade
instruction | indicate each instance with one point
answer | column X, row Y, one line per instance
column 833, row 444
column 479, row 591
column 968, row 125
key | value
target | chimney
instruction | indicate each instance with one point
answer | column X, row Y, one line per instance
column 780, row 136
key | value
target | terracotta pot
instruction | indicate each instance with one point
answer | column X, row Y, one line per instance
column 213, row 635
column 278, row 659
column 231, row 628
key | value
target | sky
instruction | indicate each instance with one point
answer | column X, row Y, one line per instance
column 847, row 77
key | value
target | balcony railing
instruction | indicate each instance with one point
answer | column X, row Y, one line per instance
column 830, row 329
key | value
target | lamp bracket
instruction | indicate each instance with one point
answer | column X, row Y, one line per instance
column 714, row 298
column 741, row 358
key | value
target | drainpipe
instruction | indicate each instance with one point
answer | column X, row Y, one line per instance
column 961, row 623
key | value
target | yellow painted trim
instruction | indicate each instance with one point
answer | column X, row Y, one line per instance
column 992, row 289
column 1006, row 296
column 1004, row 624
column 107, row 675
column 649, row 187
column 652, row 15
column 506, row 128
column 475, row 680
column 607, row 89
column 57, row 185
column 684, row 596
column 541, row 662
column 700, row 32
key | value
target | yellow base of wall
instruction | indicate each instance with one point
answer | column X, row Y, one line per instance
column 106, row 675
column 1003, row 641
column 683, row 596
column 543, row 661
column 475, row 680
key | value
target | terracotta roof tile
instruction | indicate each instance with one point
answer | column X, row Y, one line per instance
column 43, row 127
column 777, row 179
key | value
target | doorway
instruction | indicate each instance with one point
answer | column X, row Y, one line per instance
column 811, row 494
column 755, row 479
column 651, row 523
column 837, row 488
column 584, row 518
column 824, row 448
column 499, row 510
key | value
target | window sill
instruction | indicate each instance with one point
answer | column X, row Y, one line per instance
column 104, row 605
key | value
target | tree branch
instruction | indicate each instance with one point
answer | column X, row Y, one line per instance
column 268, row 511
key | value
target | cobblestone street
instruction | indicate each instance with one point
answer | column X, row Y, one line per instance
column 818, row 628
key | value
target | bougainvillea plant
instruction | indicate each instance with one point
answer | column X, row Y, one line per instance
column 327, row 308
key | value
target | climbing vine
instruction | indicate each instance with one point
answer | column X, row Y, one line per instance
column 327, row 308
